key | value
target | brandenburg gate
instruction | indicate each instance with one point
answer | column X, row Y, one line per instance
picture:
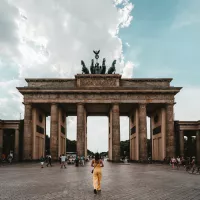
column 99, row 94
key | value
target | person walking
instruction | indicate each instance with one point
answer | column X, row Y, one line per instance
column 63, row 159
column 42, row 159
column 49, row 161
column 97, row 163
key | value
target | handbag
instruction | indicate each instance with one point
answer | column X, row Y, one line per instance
column 93, row 170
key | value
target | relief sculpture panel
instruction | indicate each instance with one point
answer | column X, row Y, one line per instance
column 100, row 97
column 97, row 82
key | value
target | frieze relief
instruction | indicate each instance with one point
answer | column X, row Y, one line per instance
column 147, row 84
column 85, row 97
column 97, row 82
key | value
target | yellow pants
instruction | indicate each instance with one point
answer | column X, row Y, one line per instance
column 97, row 175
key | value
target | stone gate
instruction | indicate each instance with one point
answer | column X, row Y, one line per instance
column 100, row 95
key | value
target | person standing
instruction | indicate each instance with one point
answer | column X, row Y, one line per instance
column 82, row 160
column 178, row 162
column 60, row 159
column 173, row 161
column 97, row 163
column 77, row 161
column 49, row 161
column 63, row 159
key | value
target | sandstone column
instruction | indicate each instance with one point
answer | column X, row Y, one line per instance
column 28, row 132
column 151, row 137
column 181, row 142
column 16, row 144
column 1, row 141
column 142, row 133
column 170, row 139
column 115, row 133
column 110, row 135
column 54, row 132
column 80, row 144
column 198, row 146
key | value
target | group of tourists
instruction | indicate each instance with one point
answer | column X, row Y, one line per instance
column 176, row 161
column 188, row 163
column 8, row 158
column 47, row 160
column 96, row 163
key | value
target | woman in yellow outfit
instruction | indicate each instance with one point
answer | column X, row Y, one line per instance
column 97, row 174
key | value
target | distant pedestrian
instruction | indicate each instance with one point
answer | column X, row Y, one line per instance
column 97, row 163
column 49, row 161
column 82, row 160
column 10, row 158
column 42, row 159
column 63, row 159
column 173, row 161
column 60, row 159
column 77, row 161
column 178, row 160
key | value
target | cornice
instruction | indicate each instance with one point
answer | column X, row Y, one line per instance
column 24, row 90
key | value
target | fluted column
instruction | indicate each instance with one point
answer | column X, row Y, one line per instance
column 80, row 144
column 54, row 132
column 16, row 144
column 181, row 141
column 142, row 133
column 170, row 143
column 115, row 133
column 198, row 146
column 28, row 132
column 110, row 135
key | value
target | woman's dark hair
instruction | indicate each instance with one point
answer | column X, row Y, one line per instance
column 96, row 156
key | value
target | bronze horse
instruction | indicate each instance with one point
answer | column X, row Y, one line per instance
column 112, row 69
column 84, row 68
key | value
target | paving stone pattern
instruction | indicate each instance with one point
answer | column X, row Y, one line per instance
column 134, row 181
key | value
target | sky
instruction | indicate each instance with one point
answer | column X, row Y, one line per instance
column 149, row 39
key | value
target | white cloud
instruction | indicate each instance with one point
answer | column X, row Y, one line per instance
column 187, row 105
column 128, row 70
column 49, row 38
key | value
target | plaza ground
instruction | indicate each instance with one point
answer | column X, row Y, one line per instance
column 120, row 181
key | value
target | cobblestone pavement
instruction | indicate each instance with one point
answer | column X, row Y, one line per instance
column 134, row 181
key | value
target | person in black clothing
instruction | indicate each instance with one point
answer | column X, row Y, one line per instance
column 49, row 161
column 60, row 159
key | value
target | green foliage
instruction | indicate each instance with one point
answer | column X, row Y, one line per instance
column 70, row 145
column 125, row 148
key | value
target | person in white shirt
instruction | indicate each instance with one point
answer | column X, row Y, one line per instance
column 178, row 162
column 63, row 158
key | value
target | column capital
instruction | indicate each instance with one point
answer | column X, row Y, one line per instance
column 169, row 104
column 142, row 105
column 27, row 104
column 81, row 103
column 54, row 103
